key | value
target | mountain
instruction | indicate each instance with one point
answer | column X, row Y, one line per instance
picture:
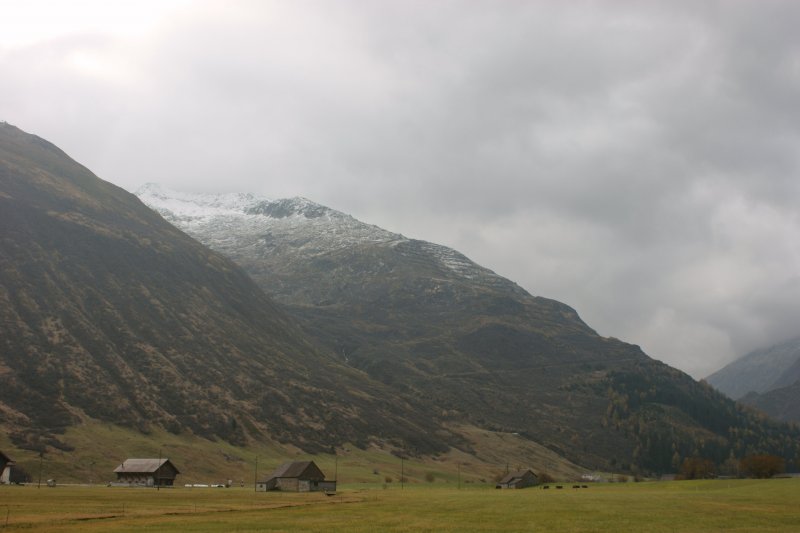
column 767, row 379
column 478, row 349
column 782, row 403
column 109, row 313
column 760, row 371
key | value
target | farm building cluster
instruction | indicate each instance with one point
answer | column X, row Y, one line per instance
column 296, row 476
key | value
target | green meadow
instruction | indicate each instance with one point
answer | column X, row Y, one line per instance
column 682, row 506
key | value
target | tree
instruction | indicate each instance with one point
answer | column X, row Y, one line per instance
column 762, row 466
column 696, row 468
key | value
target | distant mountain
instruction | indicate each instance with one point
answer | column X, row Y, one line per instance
column 760, row 371
column 431, row 324
column 782, row 403
column 109, row 312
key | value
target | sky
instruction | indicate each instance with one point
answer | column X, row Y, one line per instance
column 638, row 161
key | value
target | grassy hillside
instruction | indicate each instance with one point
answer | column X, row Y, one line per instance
column 202, row 460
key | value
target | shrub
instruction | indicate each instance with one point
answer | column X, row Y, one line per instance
column 430, row 477
column 762, row 466
column 696, row 468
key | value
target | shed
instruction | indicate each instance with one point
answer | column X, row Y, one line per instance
column 299, row 476
column 146, row 472
column 5, row 468
column 518, row 480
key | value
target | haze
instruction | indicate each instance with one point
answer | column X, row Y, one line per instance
column 636, row 160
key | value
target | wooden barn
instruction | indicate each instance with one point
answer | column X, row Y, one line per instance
column 5, row 468
column 302, row 476
column 146, row 473
column 518, row 480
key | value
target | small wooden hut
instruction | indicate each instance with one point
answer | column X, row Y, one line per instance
column 300, row 476
column 146, row 473
column 518, row 480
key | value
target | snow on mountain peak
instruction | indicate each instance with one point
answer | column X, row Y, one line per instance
column 186, row 204
column 191, row 206
column 312, row 227
column 249, row 227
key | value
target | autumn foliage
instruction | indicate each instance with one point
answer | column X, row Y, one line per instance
column 696, row 468
column 762, row 466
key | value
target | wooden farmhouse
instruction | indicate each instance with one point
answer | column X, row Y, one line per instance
column 5, row 469
column 146, row 473
column 303, row 476
column 518, row 480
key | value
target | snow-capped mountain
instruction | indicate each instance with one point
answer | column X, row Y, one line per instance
column 254, row 230
column 474, row 348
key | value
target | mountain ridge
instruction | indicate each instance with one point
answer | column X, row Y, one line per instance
column 109, row 312
column 426, row 321
column 760, row 370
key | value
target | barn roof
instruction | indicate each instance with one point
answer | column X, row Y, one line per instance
column 296, row 469
column 145, row 466
column 511, row 476
column 4, row 458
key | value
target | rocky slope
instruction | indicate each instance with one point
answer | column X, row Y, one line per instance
column 429, row 323
column 109, row 312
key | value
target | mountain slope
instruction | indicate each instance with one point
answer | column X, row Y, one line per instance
column 109, row 312
column 430, row 323
column 781, row 403
column 760, row 371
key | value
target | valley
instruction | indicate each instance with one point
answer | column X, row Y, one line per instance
column 291, row 329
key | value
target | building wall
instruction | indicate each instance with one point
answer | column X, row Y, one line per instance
column 290, row 484
column 135, row 478
column 326, row 486
column 5, row 474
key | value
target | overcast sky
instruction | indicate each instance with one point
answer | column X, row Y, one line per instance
column 637, row 160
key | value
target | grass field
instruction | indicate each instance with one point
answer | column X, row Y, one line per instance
column 688, row 506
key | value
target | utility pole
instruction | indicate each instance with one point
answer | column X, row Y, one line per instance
column 158, row 484
column 41, row 458
column 402, row 472
column 255, row 479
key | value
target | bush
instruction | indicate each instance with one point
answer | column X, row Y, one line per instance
column 696, row 468
column 430, row 477
column 762, row 466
